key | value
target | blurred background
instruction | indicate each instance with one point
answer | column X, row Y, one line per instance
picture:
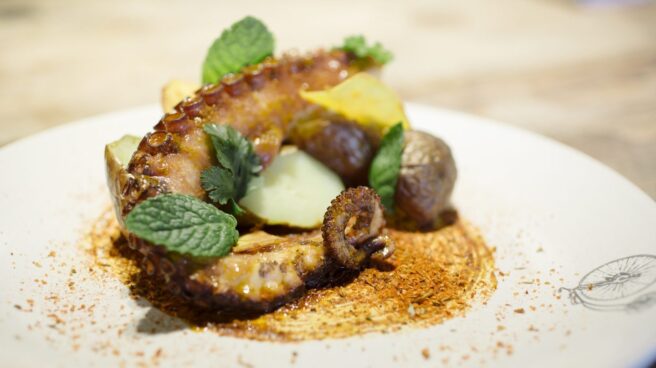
column 581, row 72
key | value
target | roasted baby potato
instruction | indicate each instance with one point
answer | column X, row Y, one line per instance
column 428, row 174
column 341, row 145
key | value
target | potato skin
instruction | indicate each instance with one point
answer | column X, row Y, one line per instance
column 427, row 177
column 341, row 145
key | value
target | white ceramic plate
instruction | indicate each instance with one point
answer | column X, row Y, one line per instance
column 553, row 214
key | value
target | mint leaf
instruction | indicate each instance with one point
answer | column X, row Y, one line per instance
column 239, row 163
column 358, row 46
column 245, row 43
column 386, row 165
column 184, row 224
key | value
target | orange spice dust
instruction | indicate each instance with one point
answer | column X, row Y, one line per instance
column 432, row 276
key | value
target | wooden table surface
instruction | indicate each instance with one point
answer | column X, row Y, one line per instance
column 582, row 74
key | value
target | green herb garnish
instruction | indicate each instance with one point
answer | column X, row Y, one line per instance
column 358, row 46
column 218, row 183
column 238, row 165
column 386, row 165
column 184, row 224
column 246, row 42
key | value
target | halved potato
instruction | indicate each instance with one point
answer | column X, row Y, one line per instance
column 121, row 151
column 294, row 191
column 117, row 158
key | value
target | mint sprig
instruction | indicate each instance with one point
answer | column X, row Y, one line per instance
column 386, row 166
column 357, row 45
column 245, row 43
column 238, row 165
column 184, row 224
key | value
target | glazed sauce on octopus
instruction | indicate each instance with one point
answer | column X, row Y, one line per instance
column 431, row 277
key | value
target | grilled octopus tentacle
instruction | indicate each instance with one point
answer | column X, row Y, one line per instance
column 262, row 103
column 351, row 227
column 263, row 271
